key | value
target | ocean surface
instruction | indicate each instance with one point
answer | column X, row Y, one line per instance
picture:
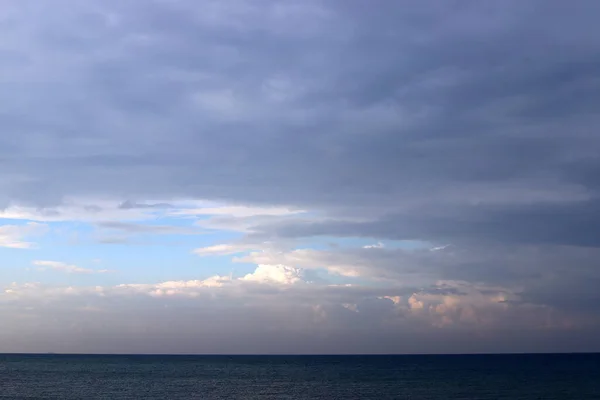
column 513, row 377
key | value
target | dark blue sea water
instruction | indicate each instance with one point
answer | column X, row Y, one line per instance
column 300, row 377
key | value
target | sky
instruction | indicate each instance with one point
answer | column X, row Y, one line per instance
column 299, row 176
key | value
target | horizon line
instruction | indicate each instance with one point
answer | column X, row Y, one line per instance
column 299, row 354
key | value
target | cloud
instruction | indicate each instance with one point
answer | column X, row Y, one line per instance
column 279, row 316
column 438, row 122
column 136, row 228
column 540, row 224
column 378, row 245
column 237, row 248
column 127, row 205
column 439, row 248
column 77, row 209
column 368, row 263
column 281, row 274
column 66, row 268
column 416, row 143
column 114, row 240
column 544, row 275
column 11, row 236
column 239, row 211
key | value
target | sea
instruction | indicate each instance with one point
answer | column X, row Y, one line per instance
column 447, row 377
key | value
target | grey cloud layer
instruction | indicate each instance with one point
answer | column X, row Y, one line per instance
column 559, row 223
column 310, row 103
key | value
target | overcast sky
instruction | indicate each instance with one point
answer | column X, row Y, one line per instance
column 299, row 176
